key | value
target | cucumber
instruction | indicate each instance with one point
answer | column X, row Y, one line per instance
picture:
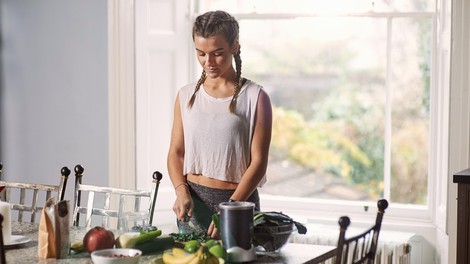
column 158, row 244
column 215, row 219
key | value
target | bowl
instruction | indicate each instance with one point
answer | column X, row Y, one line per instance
column 116, row 256
column 272, row 238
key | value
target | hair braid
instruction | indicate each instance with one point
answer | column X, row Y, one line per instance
column 238, row 81
column 198, row 85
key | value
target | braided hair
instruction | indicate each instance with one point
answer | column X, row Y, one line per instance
column 222, row 23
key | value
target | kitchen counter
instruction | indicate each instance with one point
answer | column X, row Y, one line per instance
column 291, row 253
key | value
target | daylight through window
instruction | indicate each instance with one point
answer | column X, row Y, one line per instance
column 350, row 87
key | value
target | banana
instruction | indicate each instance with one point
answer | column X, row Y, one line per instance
column 170, row 258
column 213, row 260
column 196, row 260
column 178, row 252
column 77, row 246
column 201, row 255
column 180, row 256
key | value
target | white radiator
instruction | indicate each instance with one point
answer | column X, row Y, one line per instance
column 393, row 248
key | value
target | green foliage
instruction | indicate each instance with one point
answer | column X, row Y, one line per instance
column 316, row 146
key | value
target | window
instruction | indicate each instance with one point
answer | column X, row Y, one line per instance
column 350, row 84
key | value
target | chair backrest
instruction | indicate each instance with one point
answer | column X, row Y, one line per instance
column 31, row 197
column 2, row 245
column 361, row 248
column 104, row 208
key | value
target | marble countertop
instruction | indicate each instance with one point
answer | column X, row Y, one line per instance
column 291, row 253
column 28, row 252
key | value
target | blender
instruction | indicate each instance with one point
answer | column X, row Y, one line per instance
column 236, row 230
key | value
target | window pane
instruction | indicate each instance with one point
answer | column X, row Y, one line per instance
column 338, row 103
column 411, row 60
column 412, row 6
column 327, row 87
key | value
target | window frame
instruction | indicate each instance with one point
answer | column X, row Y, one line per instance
column 313, row 210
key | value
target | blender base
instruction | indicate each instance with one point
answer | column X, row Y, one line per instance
column 238, row 254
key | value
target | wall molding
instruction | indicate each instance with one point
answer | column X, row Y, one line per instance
column 121, row 94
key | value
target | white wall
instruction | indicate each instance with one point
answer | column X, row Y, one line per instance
column 53, row 90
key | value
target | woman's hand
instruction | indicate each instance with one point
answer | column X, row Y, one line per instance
column 212, row 231
column 183, row 206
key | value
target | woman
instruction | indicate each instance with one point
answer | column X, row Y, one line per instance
column 221, row 129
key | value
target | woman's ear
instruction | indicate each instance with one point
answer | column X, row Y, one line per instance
column 235, row 48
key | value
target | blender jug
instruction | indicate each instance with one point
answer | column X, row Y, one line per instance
column 236, row 230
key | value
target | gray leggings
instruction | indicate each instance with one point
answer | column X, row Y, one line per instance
column 206, row 203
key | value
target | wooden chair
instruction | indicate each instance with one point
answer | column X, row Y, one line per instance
column 361, row 248
column 102, row 209
column 18, row 194
column 2, row 245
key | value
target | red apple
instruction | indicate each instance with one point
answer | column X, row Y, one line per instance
column 98, row 238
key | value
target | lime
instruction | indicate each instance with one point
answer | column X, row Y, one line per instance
column 192, row 246
column 211, row 242
column 218, row 251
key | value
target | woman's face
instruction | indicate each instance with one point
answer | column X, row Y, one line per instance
column 215, row 55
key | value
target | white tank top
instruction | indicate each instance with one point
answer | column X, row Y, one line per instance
column 217, row 143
